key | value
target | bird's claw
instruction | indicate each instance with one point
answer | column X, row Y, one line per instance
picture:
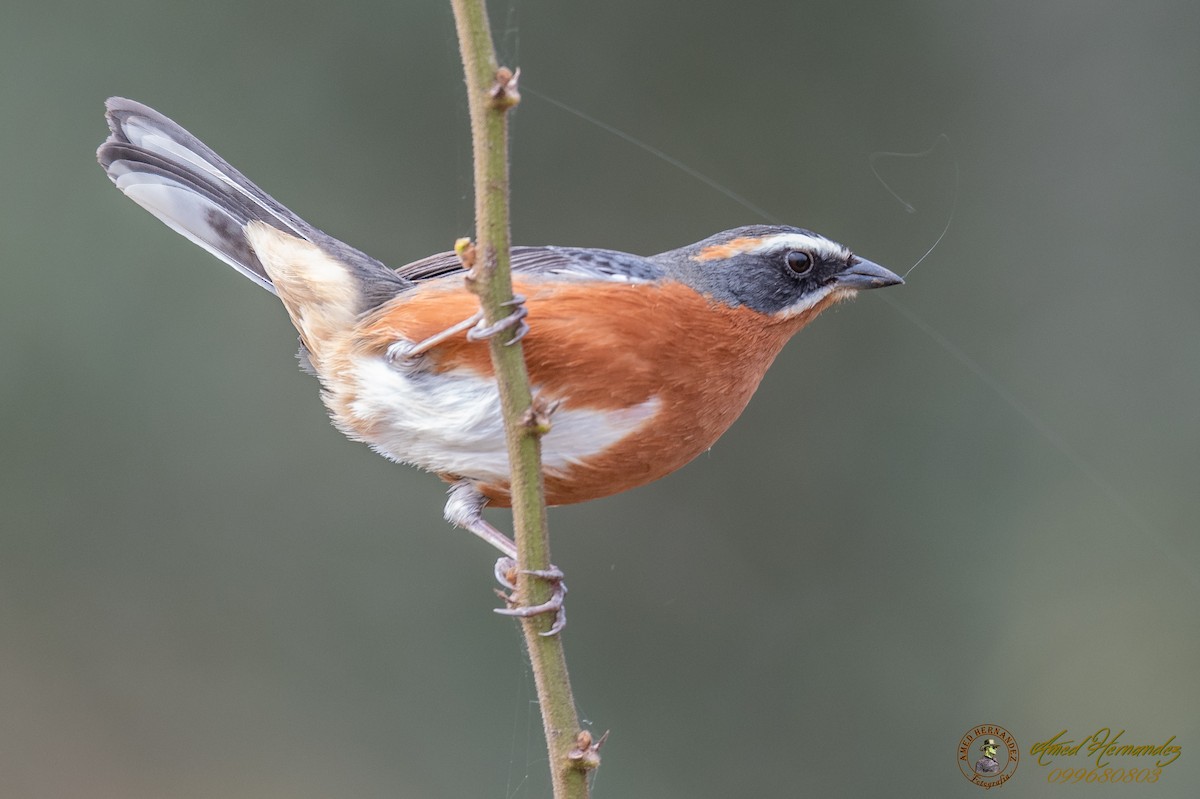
column 506, row 572
column 479, row 331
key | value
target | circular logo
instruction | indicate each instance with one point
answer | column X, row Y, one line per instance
column 988, row 755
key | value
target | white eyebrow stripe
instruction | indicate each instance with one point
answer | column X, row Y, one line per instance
column 817, row 245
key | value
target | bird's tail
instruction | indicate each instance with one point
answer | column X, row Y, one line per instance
column 180, row 180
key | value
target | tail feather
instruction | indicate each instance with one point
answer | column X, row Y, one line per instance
column 195, row 192
column 189, row 205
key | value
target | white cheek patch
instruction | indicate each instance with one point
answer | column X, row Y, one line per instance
column 808, row 302
column 450, row 422
column 840, row 294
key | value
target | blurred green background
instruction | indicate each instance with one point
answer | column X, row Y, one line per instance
column 205, row 591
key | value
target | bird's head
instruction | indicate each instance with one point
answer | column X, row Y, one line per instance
column 782, row 272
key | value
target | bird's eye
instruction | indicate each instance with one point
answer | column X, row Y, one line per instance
column 799, row 263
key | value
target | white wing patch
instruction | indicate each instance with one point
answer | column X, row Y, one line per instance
column 450, row 422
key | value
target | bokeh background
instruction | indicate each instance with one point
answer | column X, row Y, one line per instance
column 971, row 499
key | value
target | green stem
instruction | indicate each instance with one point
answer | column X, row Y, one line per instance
column 492, row 92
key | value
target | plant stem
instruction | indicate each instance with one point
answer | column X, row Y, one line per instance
column 492, row 92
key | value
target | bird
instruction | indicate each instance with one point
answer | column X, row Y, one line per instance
column 644, row 360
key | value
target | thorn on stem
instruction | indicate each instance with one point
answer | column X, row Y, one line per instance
column 586, row 753
column 537, row 417
column 464, row 248
column 504, row 93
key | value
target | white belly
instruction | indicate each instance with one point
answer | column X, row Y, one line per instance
column 450, row 422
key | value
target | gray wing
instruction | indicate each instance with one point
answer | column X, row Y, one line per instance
column 577, row 262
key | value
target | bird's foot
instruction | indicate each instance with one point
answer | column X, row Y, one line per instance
column 506, row 575
column 405, row 353
column 464, row 508
column 479, row 331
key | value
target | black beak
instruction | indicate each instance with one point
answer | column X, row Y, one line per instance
column 864, row 274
